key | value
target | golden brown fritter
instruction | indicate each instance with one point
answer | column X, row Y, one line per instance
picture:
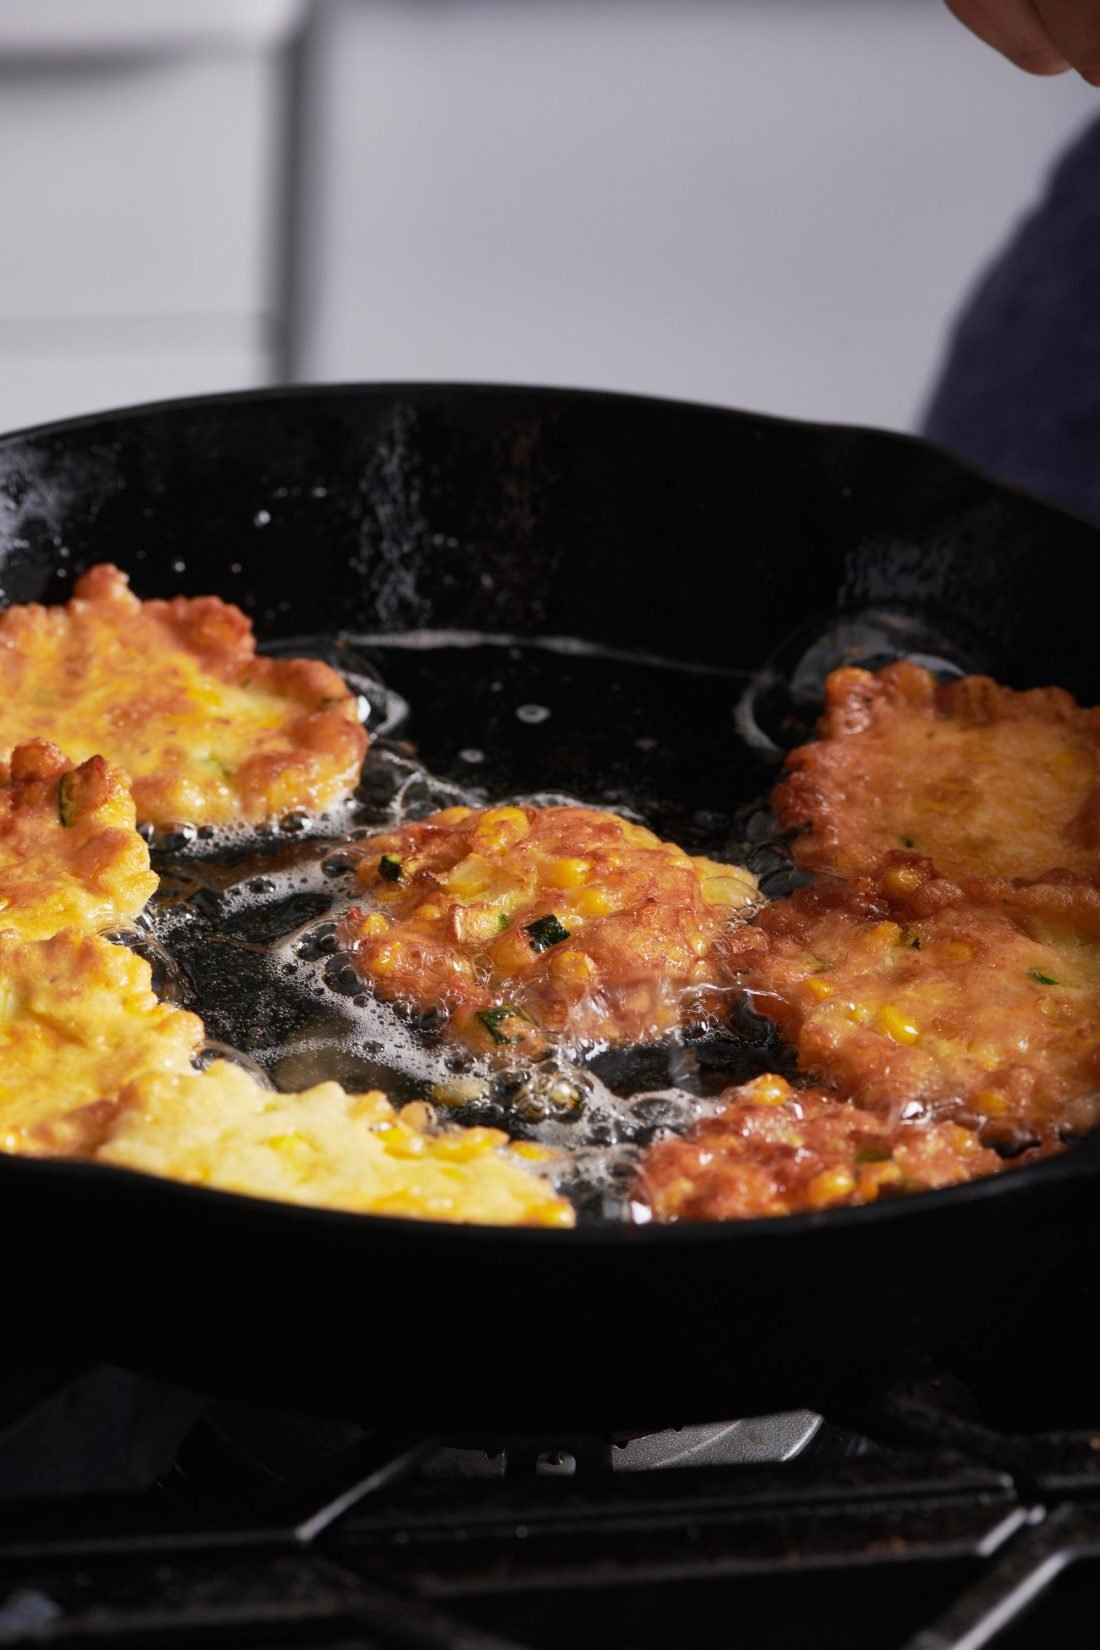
column 78, row 1022
column 328, row 1148
column 174, row 693
column 775, row 1150
column 977, row 777
column 70, row 853
column 524, row 925
column 912, row 993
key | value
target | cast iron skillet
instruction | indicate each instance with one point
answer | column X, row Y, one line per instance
column 546, row 512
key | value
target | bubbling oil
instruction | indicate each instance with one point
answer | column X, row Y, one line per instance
column 244, row 926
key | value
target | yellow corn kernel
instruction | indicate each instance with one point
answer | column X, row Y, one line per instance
column 428, row 912
column 470, row 1143
column 558, row 1213
column 886, row 933
column 384, row 960
column 725, row 890
column 991, row 1102
column 954, row 951
column 532, row 1151
column 512, row 952
column 372, row 1107
column 860, row 1013
column 638, row 836
column 4, row 902
column 770, row 1090
column 295, row 1147
column 594, row 902
column 829, row 1186
column 373, row 925
column 572, row 967
column 873, row 1176
column 819, row 988
column 402, row 1142
column 567, row 872
column 896, row 1024
column 500, row 828
column 451, row 816
column 470, row 876
column 900, row 880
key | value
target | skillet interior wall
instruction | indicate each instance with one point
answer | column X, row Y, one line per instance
column 660, row 527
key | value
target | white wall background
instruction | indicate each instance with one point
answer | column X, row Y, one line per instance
column 771, row 203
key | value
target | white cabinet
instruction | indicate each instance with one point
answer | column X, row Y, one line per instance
column 142, row 182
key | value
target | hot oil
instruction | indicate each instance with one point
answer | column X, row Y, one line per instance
column 244, row 925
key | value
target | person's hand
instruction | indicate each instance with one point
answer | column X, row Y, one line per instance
column 1041, row 36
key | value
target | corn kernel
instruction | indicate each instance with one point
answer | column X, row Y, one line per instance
column 531, row 1151
column 372, row 1107
column 512, row 952
column 373, row 925
column 471, row 1143
column 770, row 1090
column 873, row 1176
column 293, row 1146
column 991, row 1102
column 567, row 872
column 402, row 1142
column 896, row 1024
column 594, row 902
column 638, row 836
column 886, row 933
column 385, row 959
column 470, row 876
column 573, row 967
column 428, row 912
column 900, row 880
column 819, row 988
column 451, row 816
column 829, row 1186
column 954, row 951
column 726, row 890
column 501, row 828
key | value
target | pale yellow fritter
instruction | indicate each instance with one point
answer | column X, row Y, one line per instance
column 325, row 1147
column 70, row 853
column 981, row 779
column 527, row 925
column 92, row 1065
column 174, row 693
column 78, row 1022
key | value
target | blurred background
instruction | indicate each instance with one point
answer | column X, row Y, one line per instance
column 776, row 204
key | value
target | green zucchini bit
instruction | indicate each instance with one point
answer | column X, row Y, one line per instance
column 1039, row 978
column 66, row 801
column 502, row 921
column 545, row 932
column 389, row 868
column 494, row 1018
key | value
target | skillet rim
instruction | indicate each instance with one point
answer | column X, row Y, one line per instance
column 334, row 388
column 1077, row 1162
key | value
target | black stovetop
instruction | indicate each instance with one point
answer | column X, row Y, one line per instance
column 139, row 1515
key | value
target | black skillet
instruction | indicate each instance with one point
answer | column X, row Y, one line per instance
column 693, row 534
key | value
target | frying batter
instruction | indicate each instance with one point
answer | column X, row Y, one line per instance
column 70, row 854
column 978, row 777
column 775, row 1150
column 525, row 925
column 915, row 994
column 174, row 693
